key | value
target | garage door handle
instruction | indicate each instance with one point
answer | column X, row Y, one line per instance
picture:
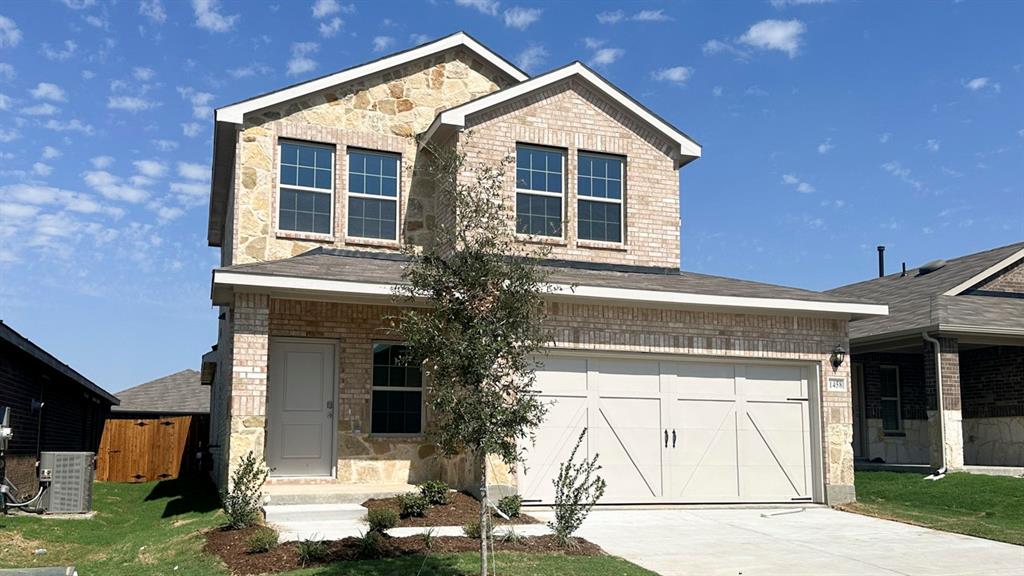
column 666, row 437
column 673, row 437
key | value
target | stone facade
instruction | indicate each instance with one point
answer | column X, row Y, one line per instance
column 909, row 446
column 992, row 388
column 951, row 451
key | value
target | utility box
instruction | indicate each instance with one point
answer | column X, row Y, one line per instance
column 70, row 476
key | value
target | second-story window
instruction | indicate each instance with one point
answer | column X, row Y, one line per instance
column 306, row 188
column 372, row 195
column 599, row 186
column 539, row 176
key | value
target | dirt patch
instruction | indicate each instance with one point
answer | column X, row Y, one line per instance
column 461, row 510
column 230, row 546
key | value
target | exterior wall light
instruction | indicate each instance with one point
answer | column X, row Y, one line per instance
column 838, row 356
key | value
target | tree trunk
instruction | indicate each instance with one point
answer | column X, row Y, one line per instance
column 483, row 514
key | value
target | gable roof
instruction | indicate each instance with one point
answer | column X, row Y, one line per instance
column 937, row 299
column 455, row 117
column 178, row 393
column 8, row 334
column 234, row 113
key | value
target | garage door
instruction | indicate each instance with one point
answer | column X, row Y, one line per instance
column 676, row 431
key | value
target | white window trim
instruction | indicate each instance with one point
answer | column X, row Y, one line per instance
column 334, row 163
column 620, row 201
column 561, row 196
column 899, row 401
column 396, row 198
column 420, row 390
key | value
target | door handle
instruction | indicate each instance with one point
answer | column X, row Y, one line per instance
column 666, row 437
column 673, row 437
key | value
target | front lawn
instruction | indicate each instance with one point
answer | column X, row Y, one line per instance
column 985, row 506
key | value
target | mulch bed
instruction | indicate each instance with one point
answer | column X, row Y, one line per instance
column 230, row 546
column 461, row 510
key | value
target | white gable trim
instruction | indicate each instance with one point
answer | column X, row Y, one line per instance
column 456, row 117
column 234, row 113
column 986, row 273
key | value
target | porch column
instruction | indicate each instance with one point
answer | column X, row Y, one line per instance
column 247, row 408
column 949, row 413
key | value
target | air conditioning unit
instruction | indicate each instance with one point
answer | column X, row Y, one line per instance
column 70, row 475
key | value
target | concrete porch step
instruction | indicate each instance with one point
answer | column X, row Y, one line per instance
column 285, row 494
column 314, row 512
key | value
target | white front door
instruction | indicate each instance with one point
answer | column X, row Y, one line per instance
column 300, row 408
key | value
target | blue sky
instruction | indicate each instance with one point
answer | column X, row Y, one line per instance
column 828, row 128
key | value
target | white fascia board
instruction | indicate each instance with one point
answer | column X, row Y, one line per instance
column 623, row 295
column 985, row 274
column 236, row 112
column 456, row 117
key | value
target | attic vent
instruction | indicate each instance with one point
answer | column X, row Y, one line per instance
column 931, row 267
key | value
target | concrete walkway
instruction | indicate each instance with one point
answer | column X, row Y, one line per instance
column 814, row 541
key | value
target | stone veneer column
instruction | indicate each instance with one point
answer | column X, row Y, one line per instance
column 950, row 411
column 247, row 407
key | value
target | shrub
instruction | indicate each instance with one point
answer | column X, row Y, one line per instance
column 413, row 505
column 472, row 530
column 381, row 519
column 242, row 502
column 261, row 540
column 512, row 537
column 577, row 489
column 436, row 492
column 428, row 538
column 510, row 505
column 312, row 551
column 371, row 545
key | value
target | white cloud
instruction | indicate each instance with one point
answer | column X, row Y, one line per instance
column 131, row 103
column 9, row 135
column 885, row 137
column 675, row 74
column 897, row 170
column 41, row 109
column 165, row 145
column 717, row 91
column 982, row 83
column 165, row 214
column 1020, row 132
column 6, row 72
column 101, row 162
column 151, row 168
column 932, row 145
column 329, row 29
column 10, row 34
column 532, row 57
column 200, row 101
column 79, row 4
column 58, row 54
column 323, row 8
column 143, row 74
column 112, row 187
column 48, row 91
column 602, row 56
column 612, row 17
column 780, row 4
column 382, row 43
column 254, row 69
column 191, row 129
column 209, row 17
column 40, row 169
column 5, row 102
column 49, row 153
column 616, row 16
column 489, row 7
column 418, row 38
column 755, row 91
column 520, row 18
column 301, row 62
column 826, row 146
column 154, row 10
column 712, row 47
column 96, row 21
column 88, row 74
column 191, row 193
column 193, row 171
column 798, row 184
column 783, row 35
column 73, row 125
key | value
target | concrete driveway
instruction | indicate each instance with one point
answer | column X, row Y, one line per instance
column 815, row 541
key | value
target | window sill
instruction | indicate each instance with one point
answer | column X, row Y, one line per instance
column 894, row 434
column 546, row 240
column 373, row 242
column 311, row 236
column 598, row 245
column 396, row 436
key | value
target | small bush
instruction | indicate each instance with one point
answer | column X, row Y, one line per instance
column 371, row 545
column 577, row 489
column 242, row 503
column 381, row 519
column 428, row 538
column 510, row 505
column 413, row 505
column 436, row 492
column 261, row 540
column 312, row 551
column 472, row 530
column 512, row 537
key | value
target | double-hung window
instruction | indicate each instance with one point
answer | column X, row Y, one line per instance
column 599, row 207
column 397, row 391
column 539, row 177
column 306, row 188
column 372, row 195
column 891, row 418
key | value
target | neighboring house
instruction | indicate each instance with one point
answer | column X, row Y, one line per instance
column 694, row 388
column 160, row 431
column 973, row 306
column 53, row 407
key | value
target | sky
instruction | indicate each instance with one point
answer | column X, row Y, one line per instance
column 827, row 128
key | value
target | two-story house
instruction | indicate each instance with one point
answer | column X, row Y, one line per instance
column 694, row 388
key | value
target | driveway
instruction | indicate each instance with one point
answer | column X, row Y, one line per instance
column 814, row 541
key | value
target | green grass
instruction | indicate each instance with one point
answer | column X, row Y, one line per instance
column 156, row 529
column 985, row 506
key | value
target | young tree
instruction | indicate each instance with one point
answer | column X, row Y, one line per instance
column 483, row 325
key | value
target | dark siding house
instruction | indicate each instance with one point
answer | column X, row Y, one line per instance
column 53, row 407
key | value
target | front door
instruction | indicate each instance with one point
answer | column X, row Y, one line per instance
column 300, row 408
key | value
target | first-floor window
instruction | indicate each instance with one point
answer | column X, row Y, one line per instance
column 397, row 391
column 890, row 380
column 372, row 195
column 306, row 180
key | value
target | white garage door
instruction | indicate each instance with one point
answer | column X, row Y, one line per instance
column 676, row 431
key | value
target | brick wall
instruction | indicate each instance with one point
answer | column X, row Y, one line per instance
column 1009, row 281
column 913, row 398
column 992, row 382
column 950, row 363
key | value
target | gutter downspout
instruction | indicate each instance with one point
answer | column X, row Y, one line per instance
column 938, row 390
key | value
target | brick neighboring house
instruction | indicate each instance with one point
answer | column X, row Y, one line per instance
column 72, row 413
column 974, row 307
column 694, row 388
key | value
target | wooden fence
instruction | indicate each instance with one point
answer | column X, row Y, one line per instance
column 145, row 449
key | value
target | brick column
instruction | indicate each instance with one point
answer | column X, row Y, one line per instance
column 247, row 408
column 950, row 412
